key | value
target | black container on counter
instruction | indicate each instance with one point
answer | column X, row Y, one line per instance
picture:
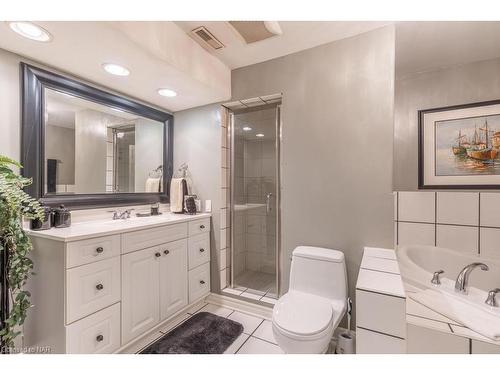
column 155, row 209
column 190, row 204
column 45, row 223
column 62, row 217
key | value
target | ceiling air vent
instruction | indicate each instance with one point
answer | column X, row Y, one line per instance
column 207, row 37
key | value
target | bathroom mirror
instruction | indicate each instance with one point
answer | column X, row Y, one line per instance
column 86, row 147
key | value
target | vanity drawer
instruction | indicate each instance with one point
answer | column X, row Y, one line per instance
column 92, row 287
column 97, row 333
column 199, row 226
column 199, row 282
column 198, row 250
column 92, row 250
column 143, row 239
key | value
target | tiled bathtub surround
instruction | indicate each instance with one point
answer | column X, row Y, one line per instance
column 389, row 321
column 465, row 221
column 381, row 304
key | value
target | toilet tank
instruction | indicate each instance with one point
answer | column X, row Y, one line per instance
column 319, row 271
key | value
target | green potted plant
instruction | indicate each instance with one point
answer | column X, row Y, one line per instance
column 15, row 246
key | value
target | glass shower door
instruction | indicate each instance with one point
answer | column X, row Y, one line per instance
column 255, row 200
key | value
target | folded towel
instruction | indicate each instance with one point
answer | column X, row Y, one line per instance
column 474, row 318
column 153, row 185
column 178, row 189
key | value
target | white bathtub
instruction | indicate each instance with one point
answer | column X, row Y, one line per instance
column 417, row 265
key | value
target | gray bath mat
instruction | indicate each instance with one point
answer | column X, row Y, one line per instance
column 203, row 333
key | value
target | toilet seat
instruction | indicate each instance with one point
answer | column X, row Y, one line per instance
column 301, row 315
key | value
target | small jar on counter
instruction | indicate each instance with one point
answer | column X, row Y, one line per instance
column 43, row 224
column 62, row 217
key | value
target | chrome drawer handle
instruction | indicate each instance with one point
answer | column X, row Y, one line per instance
column 99, row 250
column 99, row 287
column 202, row 250
column 166, row 252
column 202, row 282
column 99, row 338
column 202, row 226
column 157, row 255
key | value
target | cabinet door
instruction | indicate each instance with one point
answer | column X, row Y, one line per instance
column 173, row 278
column 140, row 292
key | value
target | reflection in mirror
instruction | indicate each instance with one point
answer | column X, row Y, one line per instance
column 93, row 149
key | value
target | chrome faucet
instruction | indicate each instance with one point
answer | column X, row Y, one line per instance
column 121, row 215
column 491, row 300
column 463, row 277
column 435, row 278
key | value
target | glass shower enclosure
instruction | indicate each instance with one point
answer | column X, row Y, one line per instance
column 255, row 199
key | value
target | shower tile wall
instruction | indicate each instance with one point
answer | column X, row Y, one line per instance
column 259, row 180
column 225, row 222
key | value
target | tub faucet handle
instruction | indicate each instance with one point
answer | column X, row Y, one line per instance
column 491, row 300
column 435, row 278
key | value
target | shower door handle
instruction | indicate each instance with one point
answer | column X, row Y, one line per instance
column 268, row 202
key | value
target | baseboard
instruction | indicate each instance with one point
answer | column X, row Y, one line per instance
column 260, row 311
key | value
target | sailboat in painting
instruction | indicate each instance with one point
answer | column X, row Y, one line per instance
column 480, row 150
column 460, row 148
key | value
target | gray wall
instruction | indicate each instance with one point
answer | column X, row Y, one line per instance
column 337, row 143
column 10, row 118
column 197, row 142
column 148, row 150
column 60, row 144
column 90, row 151
column 460, row 84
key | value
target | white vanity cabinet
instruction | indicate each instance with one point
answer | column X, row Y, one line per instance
column 96, row 291
column 154, row 286
column 140, row 292
column 173, row 278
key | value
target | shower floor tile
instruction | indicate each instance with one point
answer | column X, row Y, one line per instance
column 260, row 282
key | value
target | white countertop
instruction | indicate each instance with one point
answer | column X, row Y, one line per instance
column 97, row 228
column 379, row 273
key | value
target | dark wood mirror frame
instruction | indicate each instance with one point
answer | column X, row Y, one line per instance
column 34, row 81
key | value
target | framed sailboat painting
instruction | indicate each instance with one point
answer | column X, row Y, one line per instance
column 459, row 147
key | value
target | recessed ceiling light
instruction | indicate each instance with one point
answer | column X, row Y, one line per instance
column 167, row 92
column 116, row 69
column 259, row 135
column 247, row 128
column 31, row 31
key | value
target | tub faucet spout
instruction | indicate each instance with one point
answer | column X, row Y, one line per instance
column 463, row 277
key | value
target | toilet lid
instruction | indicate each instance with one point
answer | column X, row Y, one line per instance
column 302, row 313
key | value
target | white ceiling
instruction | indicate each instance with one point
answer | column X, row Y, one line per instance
column 158, row 54
column 163, row 55
column 423, row 46
column 297, row 36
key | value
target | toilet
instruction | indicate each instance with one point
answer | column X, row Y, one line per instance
column 305, row 318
